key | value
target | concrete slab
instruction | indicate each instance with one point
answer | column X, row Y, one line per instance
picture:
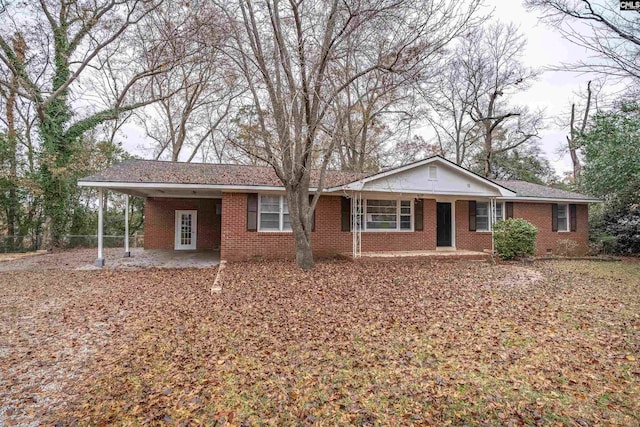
column 159, row 258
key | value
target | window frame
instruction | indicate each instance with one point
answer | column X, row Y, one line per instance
column 503, row 207
column 567, row 217
column 281, row 213
column 399, row 216
column 489, row 216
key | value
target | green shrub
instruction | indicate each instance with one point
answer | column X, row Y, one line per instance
column 515, row 238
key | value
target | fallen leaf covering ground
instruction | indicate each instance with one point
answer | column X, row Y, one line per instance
column 394, row 342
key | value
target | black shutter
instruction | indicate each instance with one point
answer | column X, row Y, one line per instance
column 313, row 215
column 554, row 217
column 573, row 215
column 345, row 214
column 472, row 215
column 252, row 212
column 418, row 215
column 509, row 209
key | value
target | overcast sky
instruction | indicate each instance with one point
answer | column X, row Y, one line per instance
column 554, row 91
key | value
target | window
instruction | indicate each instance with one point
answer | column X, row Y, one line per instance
column 482, row 216
column 389, row 215
column 483, row 221
column 499, row 216
column 273, row 213
column 563, row 218
column 405, row 215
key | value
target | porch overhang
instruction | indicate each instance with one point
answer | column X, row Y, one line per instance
column 168, row 190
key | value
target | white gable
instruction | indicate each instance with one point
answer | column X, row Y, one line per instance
column 433, row 176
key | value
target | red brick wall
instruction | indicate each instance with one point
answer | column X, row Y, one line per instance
column 160, row 217
column 538, row 214
column 327, row 239
column 237, row 244
column 465, row 239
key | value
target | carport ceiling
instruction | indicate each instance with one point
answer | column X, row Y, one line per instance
column 167, row 192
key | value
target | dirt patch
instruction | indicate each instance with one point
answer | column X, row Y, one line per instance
column 70, row 259
column 12, row 256
column 516, row 276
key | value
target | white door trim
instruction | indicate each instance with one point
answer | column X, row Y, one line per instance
column 178, row 245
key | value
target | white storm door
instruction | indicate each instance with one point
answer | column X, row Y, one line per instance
column 186, row 229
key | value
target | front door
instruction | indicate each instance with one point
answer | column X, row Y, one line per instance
column 444, row 224
column 186, row 230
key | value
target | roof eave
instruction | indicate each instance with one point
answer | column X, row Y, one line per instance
column 178, row 186
column 550, row 199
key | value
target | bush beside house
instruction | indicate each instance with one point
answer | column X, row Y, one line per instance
column 515, row 238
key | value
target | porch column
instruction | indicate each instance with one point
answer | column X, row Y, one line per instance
column 492, row 220
column 356, row 221
column 100, row 259
column 127, row 252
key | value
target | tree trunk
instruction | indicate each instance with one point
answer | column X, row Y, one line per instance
column 574, row 135
column 577, row 167
column 488, row 149
column 57, row 148
column 304, row 254
column 300, row 217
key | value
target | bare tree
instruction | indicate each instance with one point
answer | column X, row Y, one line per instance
column 67, row 44
column 291, row 55
column 451, row 102
column 371, row 115
column 611, row 35
column 492, row 64
column 203, row 86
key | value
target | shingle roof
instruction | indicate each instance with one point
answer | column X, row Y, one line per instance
column 161, row 172
column 529, row 189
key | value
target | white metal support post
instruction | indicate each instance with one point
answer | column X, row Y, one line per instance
column 356, row 221
column 492, row 220
column 127, row 252
column 100, row 259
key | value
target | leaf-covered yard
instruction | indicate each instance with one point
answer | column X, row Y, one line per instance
column 378, row 342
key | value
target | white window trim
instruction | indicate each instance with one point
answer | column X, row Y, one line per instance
column 398, row 209
column 177, row 245
column 566, row 206
column 492, row 216
column 281, row 217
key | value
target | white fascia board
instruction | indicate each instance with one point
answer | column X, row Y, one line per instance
column 547, row 199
